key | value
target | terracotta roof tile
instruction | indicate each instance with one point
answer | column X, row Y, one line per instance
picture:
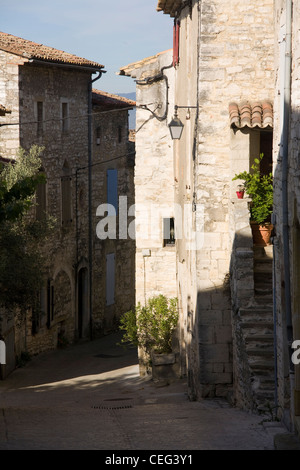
column 129, row 69
column 169, row 6
column 258, row 114
column 32, row 50
column 4, row 110
column 110, row 101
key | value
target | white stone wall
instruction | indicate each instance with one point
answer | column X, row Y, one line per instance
column 232, row 61
column 154, row 184
column 9, row 97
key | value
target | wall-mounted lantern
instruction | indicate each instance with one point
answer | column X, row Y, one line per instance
column 176, row 126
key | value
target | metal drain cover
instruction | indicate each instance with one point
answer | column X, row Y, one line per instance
column 114, row 404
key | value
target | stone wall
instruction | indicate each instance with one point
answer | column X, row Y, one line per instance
column 155, row 261
column 9, row 97
column 233, row 62
column 112, row 154
column 288, row 375
column 66, row 311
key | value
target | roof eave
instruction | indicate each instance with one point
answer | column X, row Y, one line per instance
column 88, row 68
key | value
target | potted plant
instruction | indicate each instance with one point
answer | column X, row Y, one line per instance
column 240, row 191
column 151, row 328
column 260, row 189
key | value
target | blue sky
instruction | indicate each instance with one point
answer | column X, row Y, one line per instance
column 111, row 32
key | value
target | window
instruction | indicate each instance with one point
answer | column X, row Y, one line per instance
column 119, row 134
column 65, row 116
column 169, row 231
column 40, row 117
column 112, row 188
column 110, row 279
column 176, row 30
column 98, row 135
column 66, row 189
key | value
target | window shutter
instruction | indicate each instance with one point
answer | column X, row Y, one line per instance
column 176, row 30
column 112, row 188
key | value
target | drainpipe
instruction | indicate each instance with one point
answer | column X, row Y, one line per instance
column 285, row 209
column 90, row 199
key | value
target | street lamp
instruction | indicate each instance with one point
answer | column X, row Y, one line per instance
column 176, row 126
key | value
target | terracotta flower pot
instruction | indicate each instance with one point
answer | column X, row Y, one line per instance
column 240, row 194
column 261, row 234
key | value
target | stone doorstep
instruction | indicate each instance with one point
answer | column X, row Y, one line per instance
column 286, row 441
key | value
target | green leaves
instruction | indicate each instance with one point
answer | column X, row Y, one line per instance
column 21, row 262
column 18, row 183
column 260, row 189
column 151, row 326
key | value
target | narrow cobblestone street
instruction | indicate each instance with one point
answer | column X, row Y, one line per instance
column 90, row 397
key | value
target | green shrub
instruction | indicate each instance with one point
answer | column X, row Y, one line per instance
column 151, row 327
column 260, row 189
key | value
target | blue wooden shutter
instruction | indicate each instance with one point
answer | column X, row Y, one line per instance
column 110, row 279
column 112, row 188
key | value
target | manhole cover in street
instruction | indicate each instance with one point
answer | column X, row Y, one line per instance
column 114, row 404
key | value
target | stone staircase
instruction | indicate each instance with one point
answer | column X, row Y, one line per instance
column 257, row 326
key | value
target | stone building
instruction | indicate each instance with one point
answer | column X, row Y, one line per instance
column 222, row 92
column 287, row 210
column 49, row 95
column 155, row 257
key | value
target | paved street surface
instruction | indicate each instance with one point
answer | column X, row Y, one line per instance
column 90, row 397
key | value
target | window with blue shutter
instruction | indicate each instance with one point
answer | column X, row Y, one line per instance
column 112, row 189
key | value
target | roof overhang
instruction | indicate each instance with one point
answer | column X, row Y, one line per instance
column 257, row 115
column 169, row 7
column 85, row 68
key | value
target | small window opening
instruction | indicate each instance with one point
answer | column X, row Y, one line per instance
column 65, row 116
column 120, row 134
column 39, row 107
column 169, row 231
column 98, row 135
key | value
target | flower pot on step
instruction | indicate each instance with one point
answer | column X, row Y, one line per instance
column 261, row 233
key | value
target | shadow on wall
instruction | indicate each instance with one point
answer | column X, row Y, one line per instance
column 209, row 348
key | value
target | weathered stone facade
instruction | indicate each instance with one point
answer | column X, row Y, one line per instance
column 233, row 62
column 287, row 208
column 51, row 103
column 155, row 260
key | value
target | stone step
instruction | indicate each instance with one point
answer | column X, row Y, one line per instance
column 263, row 278
column 266, row 338
column 262, row 352
column 267, row 385
column 265, row 396
column 263, row 291
column 263, row 266
column 252, row 328
column 257, row 363
column 263, row 252
column 263, row 301
column 256, row 314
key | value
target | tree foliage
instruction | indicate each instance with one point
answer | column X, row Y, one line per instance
column 260, row 188
column 21, row 236
column 151, row 326
column 18, row 183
